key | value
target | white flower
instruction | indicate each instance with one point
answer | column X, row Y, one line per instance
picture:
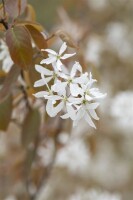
column 5, row 57
column 72, row 81
column 91, row 93
column 54, row 110
column 61, row 98
column 54, row 57
column 49, row 105
column 83, row 110
column 59, row 87
column 41, row 94
column 46, row 74
column 52, row 99
column 86, row 111
column 70, row 112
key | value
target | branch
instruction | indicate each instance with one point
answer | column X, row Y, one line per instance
column 25, row 93
column 5, row 24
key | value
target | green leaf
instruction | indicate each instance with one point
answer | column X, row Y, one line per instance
column 5, row 113
column 15, row 7
column 20, row 47
column 30, row 128
column 37, row 37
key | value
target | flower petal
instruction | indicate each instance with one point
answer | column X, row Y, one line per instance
column 83, row 79
column 91, row 81
column 48, row 60
column 62, row 49
column 39, row 83
column 59, row 64
column 65, row 56
column 88, row 98
column 76, row 67
column 89, row 120
column 50, row 51
column 40, row 94
column 92, row 106
column 97, row 94
column 59, row 87
column 64, row 76
column 58, row 108
column 80, row 114
column 75, row 89
column 43, row 70
column 65, row 116
column 73, row 100
column 48, row 79
column 71, row 112
column 54, row 97
column 93, row 114
column 49, row 109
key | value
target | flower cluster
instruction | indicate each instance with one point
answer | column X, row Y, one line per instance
column 70, row 92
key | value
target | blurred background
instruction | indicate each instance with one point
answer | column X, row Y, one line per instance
column 89, row 164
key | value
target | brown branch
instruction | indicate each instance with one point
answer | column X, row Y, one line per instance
column 4, row 23
column 25, row 93
column 50, row 37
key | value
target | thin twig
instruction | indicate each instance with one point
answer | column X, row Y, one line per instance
column 5, row 24
column 49, row 38
column 25, row 93
column 25, row 97
column 28, row 167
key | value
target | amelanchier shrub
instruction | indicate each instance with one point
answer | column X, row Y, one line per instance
column 31, row 70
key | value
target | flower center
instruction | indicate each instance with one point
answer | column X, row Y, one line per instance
column 87, row 92
column 69, row 81
column 54, row 75
column 84, row 101
column 65, row 99
column 58, row 57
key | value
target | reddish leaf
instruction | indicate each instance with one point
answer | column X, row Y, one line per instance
column 30, row 13
column 38, row 38
column 5, row 113
column 9, row 82
column 31, row 127
column 15, row 7
column 1, row 10
column 20, row 47
column 36, row 25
